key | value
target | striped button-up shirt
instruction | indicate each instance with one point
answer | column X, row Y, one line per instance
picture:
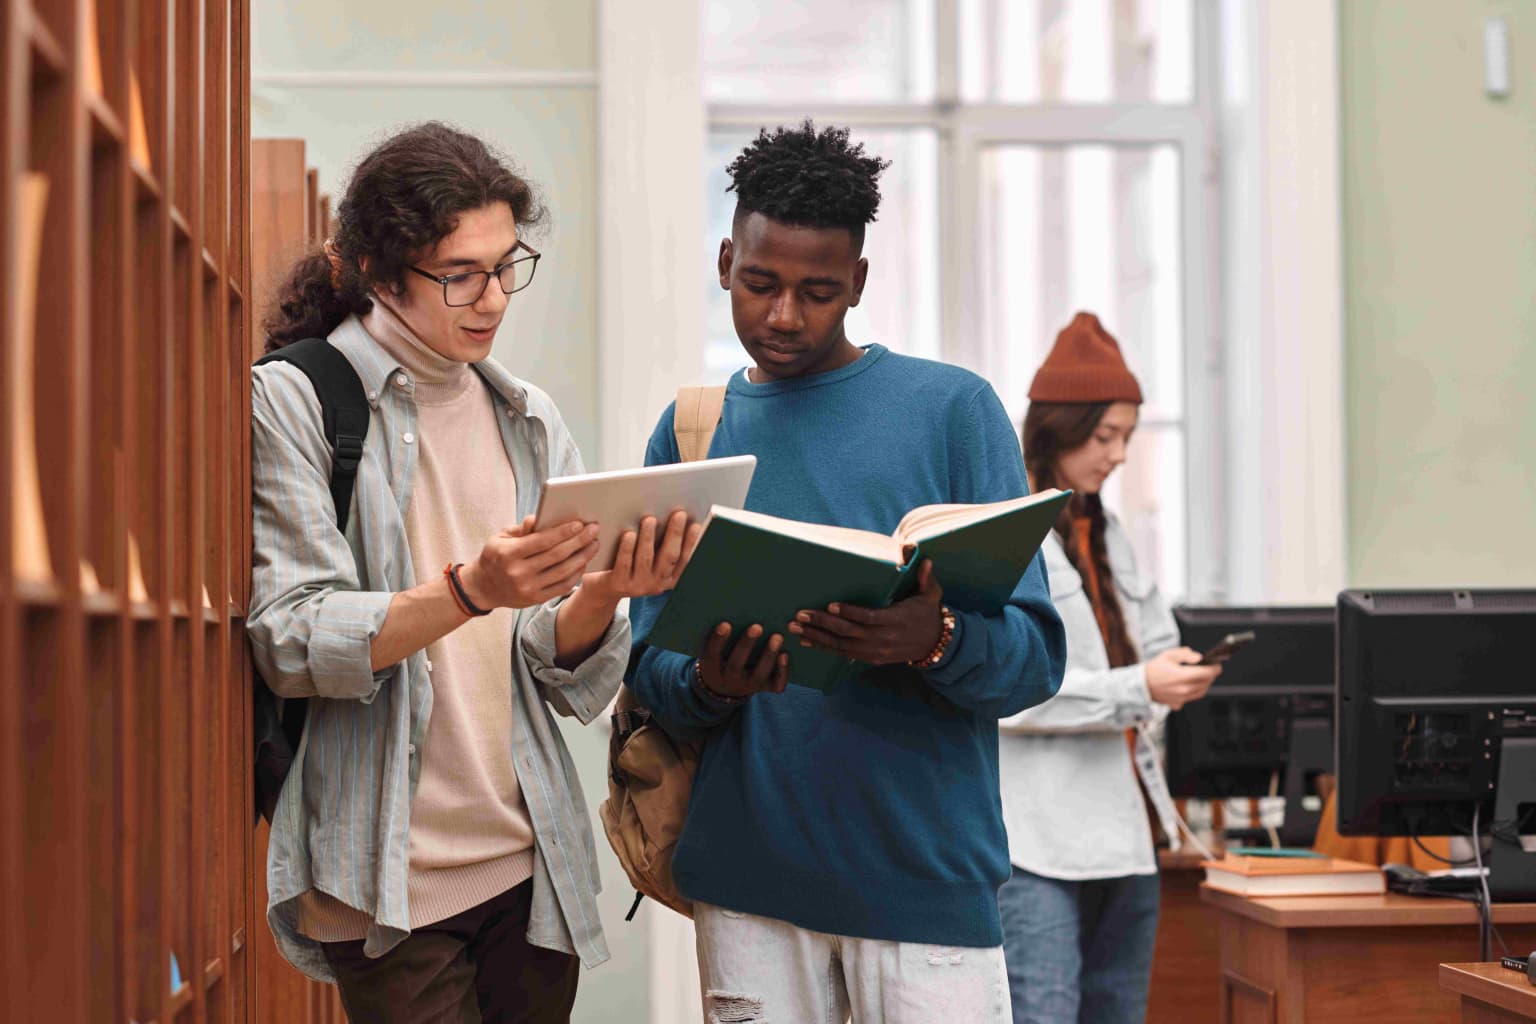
column 317, row 600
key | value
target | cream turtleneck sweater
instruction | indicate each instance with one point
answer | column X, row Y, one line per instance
column 470, row 835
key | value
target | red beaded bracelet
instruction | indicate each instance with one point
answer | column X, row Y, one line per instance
column 946, row 634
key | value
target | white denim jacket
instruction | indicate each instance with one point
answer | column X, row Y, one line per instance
column 1070, row 798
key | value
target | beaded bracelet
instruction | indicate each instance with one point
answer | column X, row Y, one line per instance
column 946, row 634
column 702, row 688
column 460, row 595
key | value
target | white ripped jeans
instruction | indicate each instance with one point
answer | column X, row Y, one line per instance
column 757, row 970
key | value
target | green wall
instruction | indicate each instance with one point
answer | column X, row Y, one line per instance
column 1439, row 218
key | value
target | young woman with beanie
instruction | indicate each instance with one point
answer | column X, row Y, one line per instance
column 1079, row 913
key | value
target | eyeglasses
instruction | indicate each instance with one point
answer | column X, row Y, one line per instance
column 465, row 289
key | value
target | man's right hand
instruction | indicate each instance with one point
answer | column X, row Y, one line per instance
column 1174, row 678
column 520, row 568
column 731, row 670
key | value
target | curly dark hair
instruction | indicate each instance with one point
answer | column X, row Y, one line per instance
column 403, row 198
column 808, row 178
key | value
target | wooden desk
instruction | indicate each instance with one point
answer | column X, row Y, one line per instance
column 1490, row 994
column 1186, row 965
column 1348, row 959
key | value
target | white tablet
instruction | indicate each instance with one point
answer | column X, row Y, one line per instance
column 621, row 498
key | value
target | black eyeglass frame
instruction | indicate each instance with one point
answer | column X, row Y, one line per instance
column 448, row 279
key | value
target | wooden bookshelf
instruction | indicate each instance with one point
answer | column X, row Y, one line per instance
column 125, row 791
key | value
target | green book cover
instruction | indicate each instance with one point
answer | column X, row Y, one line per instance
column 750, row 568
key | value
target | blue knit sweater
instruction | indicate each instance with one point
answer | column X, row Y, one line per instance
column 872, row 812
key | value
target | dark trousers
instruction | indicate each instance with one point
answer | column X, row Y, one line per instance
column 474, row 967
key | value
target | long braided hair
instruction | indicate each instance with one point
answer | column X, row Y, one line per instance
column 1051, row 430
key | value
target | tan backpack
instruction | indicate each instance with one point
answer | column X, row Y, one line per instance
column 650, row 775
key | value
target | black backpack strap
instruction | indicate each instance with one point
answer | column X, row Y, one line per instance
column 344, row 410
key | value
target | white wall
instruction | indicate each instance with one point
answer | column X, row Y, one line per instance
column 1440, row 262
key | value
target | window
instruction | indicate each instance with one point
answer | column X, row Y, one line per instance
column 812, row 51
column 1048, row 156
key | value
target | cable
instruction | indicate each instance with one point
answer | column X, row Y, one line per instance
column 1274, row 791
column 1443, row 860
column 1486, row 926
column 1503, row 946
column 1511, row 829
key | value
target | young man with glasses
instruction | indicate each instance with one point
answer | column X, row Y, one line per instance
column 844, row 852
column 430, row 850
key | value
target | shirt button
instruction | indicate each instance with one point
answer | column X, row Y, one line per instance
column 410, row 748
column 401, row 380
column 373, row 396
column 408, row 437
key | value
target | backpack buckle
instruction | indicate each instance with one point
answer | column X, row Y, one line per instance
column 348, row 452
column 627, row 723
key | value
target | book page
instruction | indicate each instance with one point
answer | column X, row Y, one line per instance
column 927, row 521
column 839, row 538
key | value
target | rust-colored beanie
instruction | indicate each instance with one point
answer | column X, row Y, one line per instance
column 1085, row 365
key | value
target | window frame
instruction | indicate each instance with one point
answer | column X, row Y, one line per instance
column 966, row 130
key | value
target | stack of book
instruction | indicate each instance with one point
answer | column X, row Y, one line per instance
column 1293, row 875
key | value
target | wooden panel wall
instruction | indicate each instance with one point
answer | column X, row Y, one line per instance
column 288, row 214
column 125, row 797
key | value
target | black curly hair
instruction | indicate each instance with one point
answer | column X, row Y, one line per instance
column 404, row 197
column 808, row 178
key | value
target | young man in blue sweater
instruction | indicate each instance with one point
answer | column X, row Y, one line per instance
column 844, row 852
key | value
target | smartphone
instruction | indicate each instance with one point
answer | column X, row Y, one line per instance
column 1229, row 645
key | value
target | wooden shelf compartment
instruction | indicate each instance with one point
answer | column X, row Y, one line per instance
column 55, row 904
column 105, row 410
column 38, row 593
column 103, row 604
column 106, row 127
column 106, row 659
column 49, row 58
column 146, row 186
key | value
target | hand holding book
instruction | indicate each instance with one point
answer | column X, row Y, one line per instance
column 737, row 670
column 899, row 633
column 752, row 569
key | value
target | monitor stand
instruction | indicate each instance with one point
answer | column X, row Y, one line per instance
column 1311, row 754
column 1511, row 870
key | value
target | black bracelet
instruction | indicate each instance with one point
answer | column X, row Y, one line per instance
column 458, row 588
column 702, row 688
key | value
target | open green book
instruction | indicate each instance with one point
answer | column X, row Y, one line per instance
column 751, row 567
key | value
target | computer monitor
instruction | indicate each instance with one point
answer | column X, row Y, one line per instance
column 1266, row 726
column 1437, row 720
